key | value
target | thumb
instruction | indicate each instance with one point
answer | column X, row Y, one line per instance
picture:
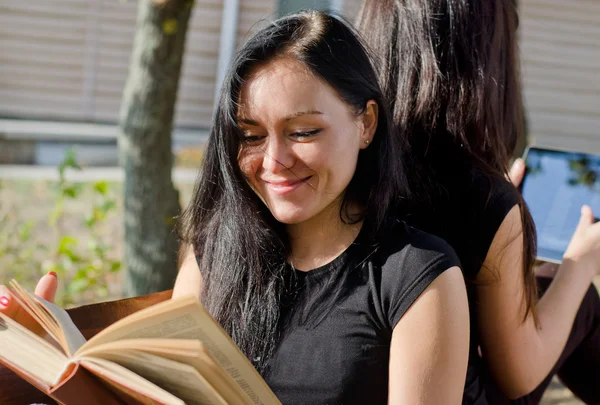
column 47, row 286
column 586, row 219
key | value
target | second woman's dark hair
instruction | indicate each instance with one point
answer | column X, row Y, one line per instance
column 241, row 249
column 450, row 70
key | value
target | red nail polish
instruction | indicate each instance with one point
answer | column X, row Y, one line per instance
column 4, row 301
column 52, row 273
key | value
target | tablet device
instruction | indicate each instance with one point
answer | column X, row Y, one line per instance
column 556, row 185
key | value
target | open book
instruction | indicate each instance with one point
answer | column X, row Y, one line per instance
column 170, row 353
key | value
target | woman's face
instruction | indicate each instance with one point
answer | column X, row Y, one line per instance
column 301, row 141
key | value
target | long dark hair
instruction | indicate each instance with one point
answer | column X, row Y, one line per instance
column 241, row 249
column 450, row 70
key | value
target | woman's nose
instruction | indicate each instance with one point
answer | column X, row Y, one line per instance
column 278, row 155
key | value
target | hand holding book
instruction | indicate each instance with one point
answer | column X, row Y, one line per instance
column 170, row 353
column 9, row 306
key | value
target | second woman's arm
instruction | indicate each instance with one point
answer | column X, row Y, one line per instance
column 520, row 352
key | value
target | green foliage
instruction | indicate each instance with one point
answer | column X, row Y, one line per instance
column 83, row 263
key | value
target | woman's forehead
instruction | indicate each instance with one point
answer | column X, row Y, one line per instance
column 283, row 87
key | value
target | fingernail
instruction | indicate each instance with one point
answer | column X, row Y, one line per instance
column 4, row 302
column 52, row 273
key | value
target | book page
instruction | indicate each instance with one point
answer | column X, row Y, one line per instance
column 185, row 351
column 181, row 380
column 124, row 380
column 55, row 320
column 186, row 318
column 30, row 352
column 72, row 337
column 30, row 305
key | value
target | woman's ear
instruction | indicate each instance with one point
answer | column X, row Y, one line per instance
column 369, row 120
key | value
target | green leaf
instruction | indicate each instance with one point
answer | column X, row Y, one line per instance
column 115, row 266
column 101, row 187
column 72, row 191
column 69, row 161
column 82, row 274
column 65, row 248
column 66, row 243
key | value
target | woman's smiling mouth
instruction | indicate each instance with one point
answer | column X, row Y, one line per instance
column 282, row 187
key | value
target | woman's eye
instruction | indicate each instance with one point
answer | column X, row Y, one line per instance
column 305, row 134
column 250, row 139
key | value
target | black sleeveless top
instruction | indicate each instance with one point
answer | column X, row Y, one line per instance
column 467, row 215
column 337, row 322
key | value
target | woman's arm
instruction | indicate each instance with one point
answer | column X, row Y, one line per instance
column 189, row 280
column 430, row 345
column 521, row 353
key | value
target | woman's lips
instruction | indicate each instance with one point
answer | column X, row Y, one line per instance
column 285, row 186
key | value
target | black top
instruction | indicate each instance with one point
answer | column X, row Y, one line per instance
column 468, row 216
column 337, row 323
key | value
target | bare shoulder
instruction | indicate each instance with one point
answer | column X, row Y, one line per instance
column 447, row 293
column 430, row 345
column 505, row 254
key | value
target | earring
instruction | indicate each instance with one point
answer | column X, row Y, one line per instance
column 367, row 141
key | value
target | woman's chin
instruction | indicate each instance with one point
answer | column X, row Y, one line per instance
column 291, row 218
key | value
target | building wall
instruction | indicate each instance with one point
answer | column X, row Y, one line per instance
column 351, row 8
column 290, row 6
column 68, row 59
column 561, row 72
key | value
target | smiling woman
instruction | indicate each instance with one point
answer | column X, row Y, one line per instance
column 301, row 141
column 299, row 251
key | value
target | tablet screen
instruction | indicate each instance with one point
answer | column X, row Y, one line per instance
column 555, row 187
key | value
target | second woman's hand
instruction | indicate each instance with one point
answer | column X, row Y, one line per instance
column 584, row 248
column 46, row 289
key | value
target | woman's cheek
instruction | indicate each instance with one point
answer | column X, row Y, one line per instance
column 248, row 161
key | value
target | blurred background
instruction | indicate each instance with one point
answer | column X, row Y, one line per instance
column 105, row 106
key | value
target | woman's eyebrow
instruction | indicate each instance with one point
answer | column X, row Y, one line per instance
column 301, row 113
column 253, row 123
column 248, row 121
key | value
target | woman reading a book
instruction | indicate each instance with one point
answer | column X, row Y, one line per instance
column 295, row 244
column 450, row 70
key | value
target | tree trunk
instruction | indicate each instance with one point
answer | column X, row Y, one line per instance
column 151, row 202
